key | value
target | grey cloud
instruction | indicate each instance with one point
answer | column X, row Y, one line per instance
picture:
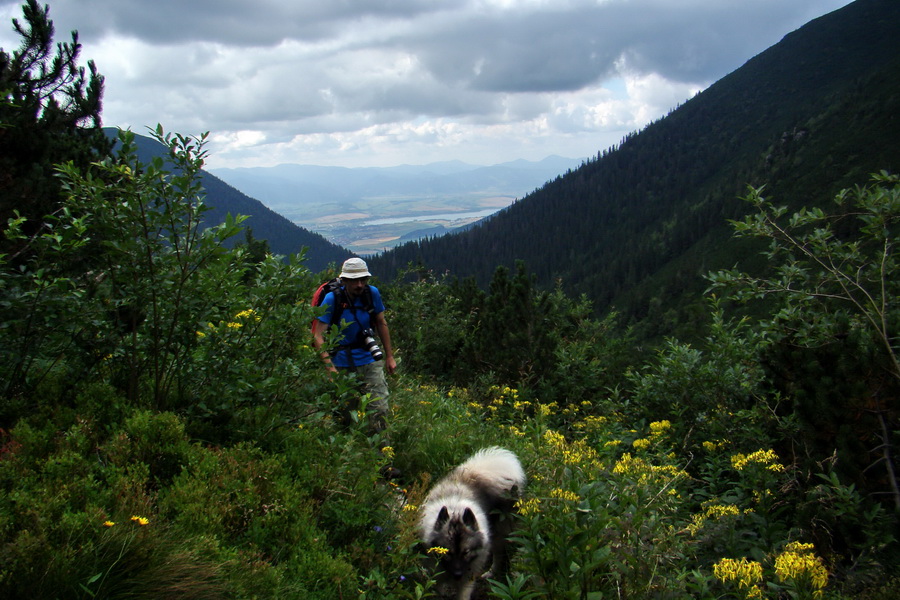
column 554, row 47
column 568, row 50
column 230, row 22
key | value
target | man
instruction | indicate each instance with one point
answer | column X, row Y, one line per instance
column 362, row 311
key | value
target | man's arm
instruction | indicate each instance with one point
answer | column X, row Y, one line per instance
column 384, row 333
column 319, row 329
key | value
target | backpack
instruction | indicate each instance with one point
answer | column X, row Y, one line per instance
column 340, row 300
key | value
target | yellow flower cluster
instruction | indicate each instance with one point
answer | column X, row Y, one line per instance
column 440, row 551
column 712, row 446
column 247, row 314
column 504, row 392
column 573, row 453
column 714, row 512
column 388, row 452
column 642, row 471
column 516, row 431
column 768, row 458
column 747, row 574
column 660, row 427
column 546, row 410
column 528, row 507
column 641, row 444
column 591, row 423
column 799, row 564
column 410, row 508
column 564, row 495
column 140, row 520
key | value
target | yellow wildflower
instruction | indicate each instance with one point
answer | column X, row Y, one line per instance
column 140, row 520
column 564, row 495
column 591, row 423
column 799, row 564
column 768, row 458
column 516, row 431
column 746, row 574
column 108, row 523
column 714, row 512
column 660, row 427
column 410, row 507
column 530, row 506
column 440, row 551
column 641, row 444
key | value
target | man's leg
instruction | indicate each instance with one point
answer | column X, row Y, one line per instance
column 375, row 385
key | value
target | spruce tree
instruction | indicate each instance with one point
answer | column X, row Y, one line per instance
column 49, row 114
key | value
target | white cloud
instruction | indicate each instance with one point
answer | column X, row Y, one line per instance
column 410, row 81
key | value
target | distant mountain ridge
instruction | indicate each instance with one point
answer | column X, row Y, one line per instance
column 283, row 236
column 637, row 226
column 369, row 209
column 295, row 184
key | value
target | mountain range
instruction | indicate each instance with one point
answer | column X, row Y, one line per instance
column 370, row 209
column 636, row 227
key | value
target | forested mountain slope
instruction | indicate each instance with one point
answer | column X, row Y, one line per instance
column 283, row 236
column 637, row 226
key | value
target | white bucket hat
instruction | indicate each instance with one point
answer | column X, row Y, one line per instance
column 354, row 268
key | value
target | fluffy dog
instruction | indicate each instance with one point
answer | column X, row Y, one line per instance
column 469, row 514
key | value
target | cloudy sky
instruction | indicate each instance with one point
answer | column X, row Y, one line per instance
column 388, row 82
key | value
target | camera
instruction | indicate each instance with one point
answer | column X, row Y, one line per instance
column 368, row 342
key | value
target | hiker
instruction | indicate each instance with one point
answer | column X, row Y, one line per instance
column 362, row 310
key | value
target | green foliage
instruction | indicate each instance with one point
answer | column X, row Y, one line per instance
column 431, row 327
column 835, row 289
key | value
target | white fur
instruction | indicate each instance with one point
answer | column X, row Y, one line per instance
column 494, row 469
column 490, row 476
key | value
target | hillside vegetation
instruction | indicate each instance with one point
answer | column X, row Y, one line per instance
column 167, row 430
column 637, row 226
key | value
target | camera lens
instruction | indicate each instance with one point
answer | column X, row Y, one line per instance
column 368, row 342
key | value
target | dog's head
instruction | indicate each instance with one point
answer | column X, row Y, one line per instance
column 464, row 538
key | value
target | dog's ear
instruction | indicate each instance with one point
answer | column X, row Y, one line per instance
column 469, row 519
column 442, row 518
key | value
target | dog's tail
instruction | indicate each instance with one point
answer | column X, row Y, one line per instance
column 495, row 470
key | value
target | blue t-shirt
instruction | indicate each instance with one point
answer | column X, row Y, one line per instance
column 356, row 320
